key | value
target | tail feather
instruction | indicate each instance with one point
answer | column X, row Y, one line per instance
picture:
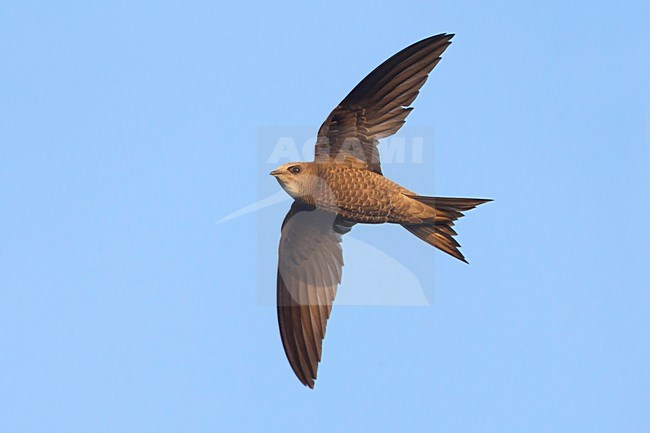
column 440, row 233
column 450, row 203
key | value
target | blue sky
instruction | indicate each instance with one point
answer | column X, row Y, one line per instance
column 130, row 128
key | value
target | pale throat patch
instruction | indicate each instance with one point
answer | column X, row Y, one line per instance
column 292, row 188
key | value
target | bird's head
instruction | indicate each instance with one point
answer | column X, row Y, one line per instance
column 297, row 178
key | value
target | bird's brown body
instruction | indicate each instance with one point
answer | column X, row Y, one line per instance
column 344, row 186
column 362, row 196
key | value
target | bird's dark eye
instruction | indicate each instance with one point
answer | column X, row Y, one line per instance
column 295, row 169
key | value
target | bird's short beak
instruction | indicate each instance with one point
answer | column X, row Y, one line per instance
column 274, row 172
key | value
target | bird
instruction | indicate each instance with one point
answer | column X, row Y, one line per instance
column 344, row 186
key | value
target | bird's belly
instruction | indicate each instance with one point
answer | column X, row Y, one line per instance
column 362, row 196
column 370, row 207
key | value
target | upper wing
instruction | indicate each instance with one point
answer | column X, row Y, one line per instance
column 377, row 107
column 310, row 263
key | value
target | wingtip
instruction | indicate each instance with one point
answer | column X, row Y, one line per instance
column 445, row 36
column 460, row 256
column 307, row 382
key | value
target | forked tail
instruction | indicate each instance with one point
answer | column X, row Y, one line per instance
column 440, row 233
